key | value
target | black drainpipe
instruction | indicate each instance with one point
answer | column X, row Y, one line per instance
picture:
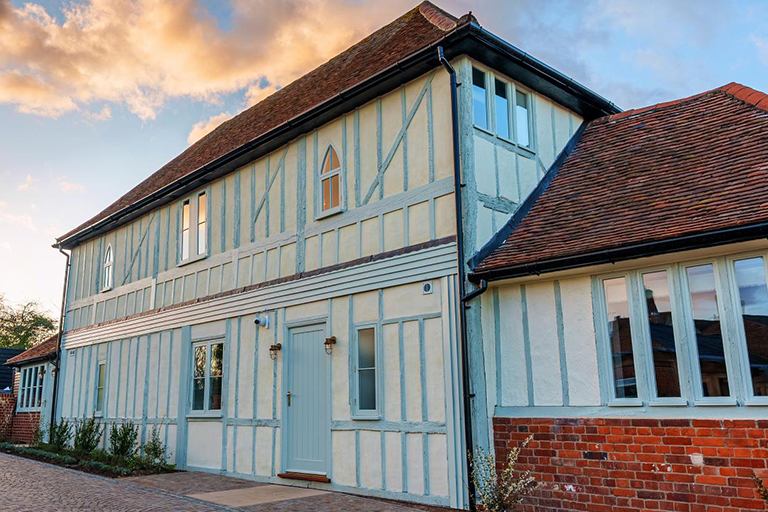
column 57, row 363
column 467, row 394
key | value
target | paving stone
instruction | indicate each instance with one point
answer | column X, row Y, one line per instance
column 186, row 482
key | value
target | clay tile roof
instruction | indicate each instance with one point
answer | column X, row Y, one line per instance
column 413, row 31
column 681, row 168
column 43, row 350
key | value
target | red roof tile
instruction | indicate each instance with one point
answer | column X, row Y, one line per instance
column 686, row 167
column 415, row 30
column 43, row 350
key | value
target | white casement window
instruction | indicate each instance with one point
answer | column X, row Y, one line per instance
column 207, row 375
column 686, row 334
column 193, row 232
column 108, row 260
column 522, row 119
column 101, row 377
column 501, row 104
column 330, row 183
column 365, row 369
column 31, row 383
column 479, row 99
column 504, row 105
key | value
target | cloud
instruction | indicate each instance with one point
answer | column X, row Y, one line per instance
column 203, row 128
column 761, row 44
column 102, row 115
column 141, row 53
column 14, row 219
column 26, row 184
column 68, row 186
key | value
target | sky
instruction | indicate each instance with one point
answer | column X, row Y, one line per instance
column 96, row 95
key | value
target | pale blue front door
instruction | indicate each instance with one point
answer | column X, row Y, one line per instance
column 307, row 429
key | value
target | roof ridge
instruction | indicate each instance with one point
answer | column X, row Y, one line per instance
column 746, row 94
column 437, row 16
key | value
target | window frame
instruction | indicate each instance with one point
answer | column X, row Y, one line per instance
column 320, row 178
column 678, row 330
column 30, row 394
column 747, row 386
column 99, row 412
column 194, row 224
column 206, row 411
column 108, row 265
column 490, row 122
column 604, row 342
column 357, row 413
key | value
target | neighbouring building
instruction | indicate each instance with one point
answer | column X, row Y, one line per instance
column 29, row 401
column 626, row 322
column 306, row 296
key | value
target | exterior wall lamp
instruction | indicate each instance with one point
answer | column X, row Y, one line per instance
column 273, row 350
column 329, row 343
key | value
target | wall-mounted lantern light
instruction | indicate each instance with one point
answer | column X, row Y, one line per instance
column 329, row 343
column 273, row 350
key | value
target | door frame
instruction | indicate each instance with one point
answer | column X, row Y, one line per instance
column 321, row 322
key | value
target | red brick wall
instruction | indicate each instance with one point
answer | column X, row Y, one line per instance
column 24, row 426
column 622, row 465
column 7, row 406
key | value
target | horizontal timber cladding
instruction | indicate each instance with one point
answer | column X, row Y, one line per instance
column 403, row 266
column 612, row 464
column 264, row 221
column 407, row 451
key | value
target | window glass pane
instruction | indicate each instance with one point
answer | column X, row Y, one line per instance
column 217, row 357
column 185, row 215
column 214, row 402
column 521, row 119
column 367, row 390
column 326, row 194
column 199, row 362
column 753, row 297
column 108, row 277
column 100, row 389
column 334, row 160
column 622, row 357
column 201, row 238
column 335, row 191
column 201, row 204
column 23, row 390
column 709, row 338
column 663, row 347
column 40, row 377
column 366, row 348
column 502, row 110
column 185, row 231
column 478, row 98
column 198, row 394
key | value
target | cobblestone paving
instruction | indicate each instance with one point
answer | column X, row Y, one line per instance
column 29, row 486
column 331, row 502
column 191, row 483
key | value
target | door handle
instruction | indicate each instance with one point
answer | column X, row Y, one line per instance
column 289, row 398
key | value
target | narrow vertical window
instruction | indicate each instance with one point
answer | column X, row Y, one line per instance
column 108, row 268
column 502, row 110
column 40, row 375
column 620, row 338
column 201, row 216
column 330, row 181
column 366, row 370
column 709, row 336
column 522, row 119
column 663, row 348
column 185, row 230
column 479, row 101
column 100, row 377
column 217, row 361
column 198, row 378
column 753, row 308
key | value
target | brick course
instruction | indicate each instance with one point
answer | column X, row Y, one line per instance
column 622, row 465
column 24, row 426
column 7, row 406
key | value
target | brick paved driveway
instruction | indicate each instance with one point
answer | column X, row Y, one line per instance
column 30, row 486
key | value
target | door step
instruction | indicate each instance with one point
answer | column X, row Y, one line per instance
column 304, row 476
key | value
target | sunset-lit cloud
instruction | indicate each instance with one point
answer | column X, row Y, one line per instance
column 203, row 128
column 12, row 218
column 141, row 53
column 68, row 186
column 26, row 184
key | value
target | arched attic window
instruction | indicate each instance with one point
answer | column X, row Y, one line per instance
column 330, row 182
column 108, row 268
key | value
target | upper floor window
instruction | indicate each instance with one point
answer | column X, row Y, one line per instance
column 207, row 374
column 193, row 241
column 522, row 118
column 330, row 182
column 479, row 99
column 31, row 388
column 502, row 110
column 108, row 258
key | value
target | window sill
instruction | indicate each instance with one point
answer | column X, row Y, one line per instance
column 669, row 402
column 192, row 259
column 625, row 402
column 98, row 414
column 106, row 289
column 715, row 402
column 203, row 416
column 329, row 213
column 371, row 417
column 761, row 401
column 484, row 130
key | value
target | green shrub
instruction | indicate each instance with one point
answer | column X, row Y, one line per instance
column 100, row 466
column 59, row 435
column 56, row 457
column 87, row 435
column 155, row 452
column 122, row 440
column 500, row 492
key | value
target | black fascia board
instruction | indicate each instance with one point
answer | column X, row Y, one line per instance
column 469, row 39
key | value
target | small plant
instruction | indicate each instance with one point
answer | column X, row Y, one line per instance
column 87, row 435
column 155, row 453
column 500, row 492
column 122, row 440
column 761, row 489
column 59, row 435
column 39, row 433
